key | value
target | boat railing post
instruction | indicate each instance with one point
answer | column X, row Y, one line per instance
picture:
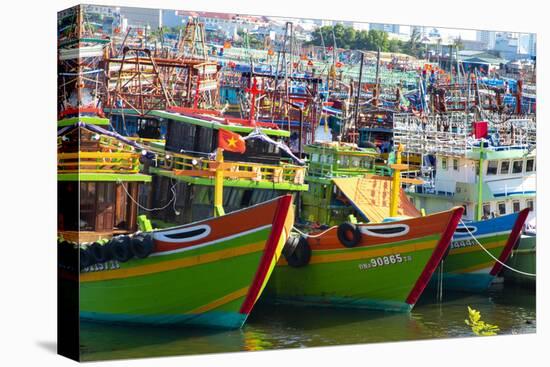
column 218, row 185
column 479, row 211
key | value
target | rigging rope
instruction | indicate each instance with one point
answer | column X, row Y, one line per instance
column 173, row 199
column 310, row 235
column 491, row 255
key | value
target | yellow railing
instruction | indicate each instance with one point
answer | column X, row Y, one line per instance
column 283, row 173
column 98, row 162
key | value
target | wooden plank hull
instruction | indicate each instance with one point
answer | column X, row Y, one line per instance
column 468, row 267
column 383, row 271
column 207, row 273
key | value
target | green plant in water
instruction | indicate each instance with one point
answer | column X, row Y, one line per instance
column 480, row 327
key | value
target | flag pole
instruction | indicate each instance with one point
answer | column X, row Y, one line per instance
column 218, row 185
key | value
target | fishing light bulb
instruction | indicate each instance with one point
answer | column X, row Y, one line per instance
column 194, row 162
column 143, row 152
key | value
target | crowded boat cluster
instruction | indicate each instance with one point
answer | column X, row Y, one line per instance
column 196, row 177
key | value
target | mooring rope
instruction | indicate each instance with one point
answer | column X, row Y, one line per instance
column 173, row 199
column 311, row 235
column 491, row 255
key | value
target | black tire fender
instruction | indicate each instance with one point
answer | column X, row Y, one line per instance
column 101, row 253
column 120, row 247
column 142, row 245
column 86, row 258
column 349, row 234
column 298, row 253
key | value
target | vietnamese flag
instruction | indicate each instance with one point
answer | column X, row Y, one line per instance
column 231, row 141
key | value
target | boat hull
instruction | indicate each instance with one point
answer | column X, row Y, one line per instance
column 468, row 267
column 208, row 273
column 524, row 259
column 383, row 272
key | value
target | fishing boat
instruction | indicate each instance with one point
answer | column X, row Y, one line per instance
column 523, row 258
column 374, row 265
column 381, row 266
column 498, row 199
column 478, row 251
column 208, row 273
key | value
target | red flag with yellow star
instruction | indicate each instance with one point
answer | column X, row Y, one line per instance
column 231, row 141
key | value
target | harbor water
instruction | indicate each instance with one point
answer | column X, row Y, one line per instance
column 273, row 326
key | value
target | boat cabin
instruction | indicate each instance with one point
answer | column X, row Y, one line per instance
column 99, row 183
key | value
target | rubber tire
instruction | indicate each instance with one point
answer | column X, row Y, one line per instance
column 142, row 245
column 120, row 247
column 301, row 255
column 343, row 229
column 86, row 258
column 101, row 253
column 290, row 246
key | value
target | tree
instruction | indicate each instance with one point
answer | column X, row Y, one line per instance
column 394, row 45
column 458, row 43
column 412, row 47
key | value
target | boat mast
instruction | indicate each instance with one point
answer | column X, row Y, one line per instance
column 479, row 211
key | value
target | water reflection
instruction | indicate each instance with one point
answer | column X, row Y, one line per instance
column 273, row 326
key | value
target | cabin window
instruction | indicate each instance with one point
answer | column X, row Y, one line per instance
column 517, row 167
column 344, row 161
column 87, row 206
column 501, row 208
column 314, row 157
column 486, row 210
column 530, row 204
column 355, row 162
column 367, row 163
column 444, row 163
column 492, row 167
column 455, row 164
column 530, row 165
column 504, row 167
column 515, row 206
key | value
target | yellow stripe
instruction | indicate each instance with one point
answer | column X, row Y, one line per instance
column 355, row 255
column 172, row 264
column 220, row 301
column 477, row 248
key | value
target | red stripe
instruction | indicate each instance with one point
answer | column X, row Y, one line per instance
column 271, row 247
column 514, row 237
column 437, row 255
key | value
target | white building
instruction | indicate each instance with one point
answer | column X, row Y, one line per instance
column 487, row 37
column 388, row 28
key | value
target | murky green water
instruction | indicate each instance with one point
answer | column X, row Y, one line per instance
column 277, row 326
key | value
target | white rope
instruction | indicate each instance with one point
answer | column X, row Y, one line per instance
column 309, row 235
column 491, row 255
column 173, row 189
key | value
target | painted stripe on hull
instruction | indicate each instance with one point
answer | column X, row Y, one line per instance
column 194, row 247
column 347, row 254
column 221, row 301
column 172, row 264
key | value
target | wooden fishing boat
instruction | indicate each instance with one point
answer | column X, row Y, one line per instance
column 208, row 273
column 468, row 267
column 524, row 259
column 383, row 266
